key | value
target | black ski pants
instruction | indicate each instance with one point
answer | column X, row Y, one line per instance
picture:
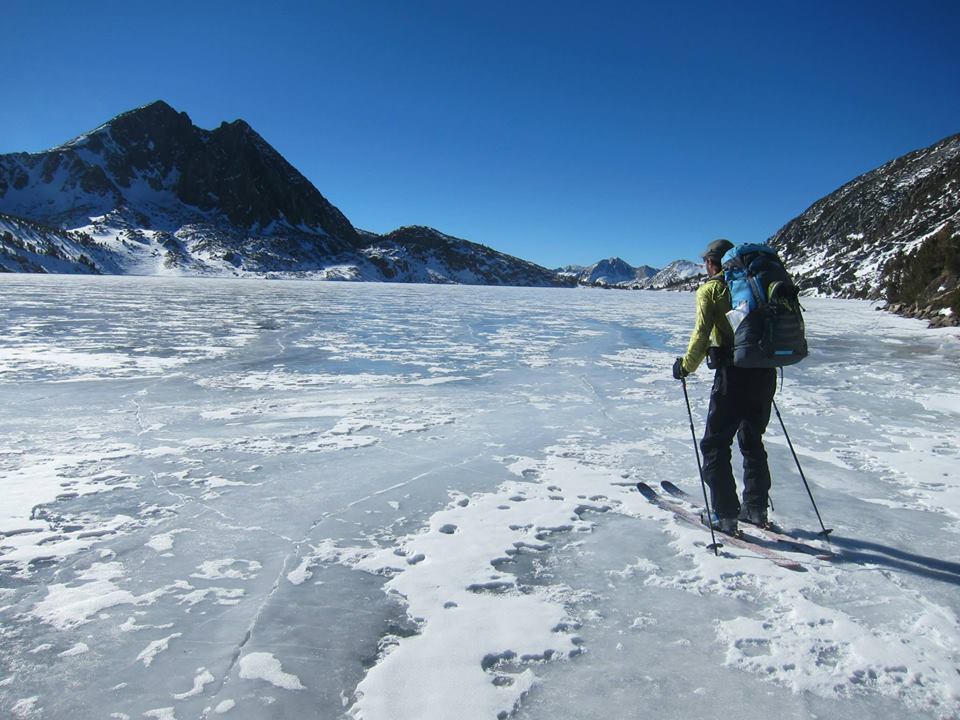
column 739, row 405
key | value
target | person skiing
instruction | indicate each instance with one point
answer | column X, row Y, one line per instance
column 740, row 403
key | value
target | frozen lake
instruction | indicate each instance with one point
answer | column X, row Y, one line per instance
column 271, row 499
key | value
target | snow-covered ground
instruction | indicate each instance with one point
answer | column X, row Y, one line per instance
column 263, row 499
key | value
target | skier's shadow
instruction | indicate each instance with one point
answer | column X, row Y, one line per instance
column 855, row 550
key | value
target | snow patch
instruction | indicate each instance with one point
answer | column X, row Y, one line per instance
column 264, row 666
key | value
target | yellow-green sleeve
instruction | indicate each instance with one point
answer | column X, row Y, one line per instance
column 702, row 328
column 711, row 324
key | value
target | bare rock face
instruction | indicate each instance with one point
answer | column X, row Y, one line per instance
column 152, row 163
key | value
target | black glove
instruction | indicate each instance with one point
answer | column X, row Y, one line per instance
column 678, row 372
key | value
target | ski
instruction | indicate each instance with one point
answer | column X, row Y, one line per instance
column 743, row 541
column 773, row 533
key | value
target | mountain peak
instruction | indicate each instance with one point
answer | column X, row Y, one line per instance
column 153, row 161
column 157, row 106
column 607, row 272
column 149, row 192
column 157, row 112
column 238, row 124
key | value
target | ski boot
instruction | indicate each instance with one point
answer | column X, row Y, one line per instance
column 725, row 525
column 754, row 516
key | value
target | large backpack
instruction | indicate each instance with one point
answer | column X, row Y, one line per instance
column 766, row 317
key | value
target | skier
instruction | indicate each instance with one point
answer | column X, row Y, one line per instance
column 740, row 403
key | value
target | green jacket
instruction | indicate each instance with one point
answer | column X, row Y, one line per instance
column 711, row 326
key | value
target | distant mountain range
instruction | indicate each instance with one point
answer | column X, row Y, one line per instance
column 617, row 273
column 150, row 193
column 607, row 273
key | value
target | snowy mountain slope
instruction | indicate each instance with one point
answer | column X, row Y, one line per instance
column 677, row 275
column 113, row 245
column 149, row 193
column 422, row 254
column 30, row 247
column 853, row 242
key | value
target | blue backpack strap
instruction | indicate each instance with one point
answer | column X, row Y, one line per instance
column 758, row 293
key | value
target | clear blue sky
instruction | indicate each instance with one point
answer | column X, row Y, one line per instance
column 560, row 132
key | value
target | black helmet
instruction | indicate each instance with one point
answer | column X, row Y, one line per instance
column 716, row 250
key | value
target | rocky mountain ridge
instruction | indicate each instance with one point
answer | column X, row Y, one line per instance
column 890, row 234
column 150, row 193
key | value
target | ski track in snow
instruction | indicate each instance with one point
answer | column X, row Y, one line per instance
column 261, row 499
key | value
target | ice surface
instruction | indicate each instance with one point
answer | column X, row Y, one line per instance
column 289, row 499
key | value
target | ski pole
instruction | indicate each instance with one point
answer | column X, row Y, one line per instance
column 714, row 545
column 826, row 533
